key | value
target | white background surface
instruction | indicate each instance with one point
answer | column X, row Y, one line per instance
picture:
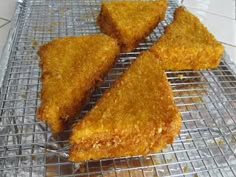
column 218, row 15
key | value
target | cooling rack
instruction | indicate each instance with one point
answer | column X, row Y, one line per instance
column 206, row 99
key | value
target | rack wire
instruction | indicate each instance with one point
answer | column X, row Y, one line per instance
column 207, row 100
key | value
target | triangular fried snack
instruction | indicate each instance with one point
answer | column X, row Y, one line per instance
column 136, row 116
column 187, row 44
column 71, row 69
column 130, row 22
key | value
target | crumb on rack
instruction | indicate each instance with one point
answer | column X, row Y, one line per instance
column 185, row 169
column 82, row 168
column 35, row 43
column 170, row 159
column 52, row 26
column 233, row 140
column 188, row 138
column 219, row 142
column 180, row 76
column 24, row 95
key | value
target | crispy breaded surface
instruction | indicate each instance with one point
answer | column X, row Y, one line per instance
column 136, row 116
column 187, row 44
column 130, row 22
column 71, row 68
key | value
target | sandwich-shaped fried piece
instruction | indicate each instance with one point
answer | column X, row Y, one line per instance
column 136, row 116
column 187, row 44
column 130, row 22
column 71, row 69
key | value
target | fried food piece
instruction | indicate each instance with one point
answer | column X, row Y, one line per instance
column 130, row 22
column 71, row 69
column 136, row 116
column 187, row 44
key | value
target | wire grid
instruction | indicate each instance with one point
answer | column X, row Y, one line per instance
column 207, row 100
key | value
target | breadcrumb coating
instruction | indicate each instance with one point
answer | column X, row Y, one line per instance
column 136, row 116
column 71, row 68
column 130, row 22
column 187, row 44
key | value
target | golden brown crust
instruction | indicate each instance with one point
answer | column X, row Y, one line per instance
column 187, row 44
column 130, row 22
column 136, row 116
column 71, row 68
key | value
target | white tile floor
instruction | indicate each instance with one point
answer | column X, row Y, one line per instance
column 224, row 8
column 7, row 8
column 219, row 16
column 3, row 22
column 3, row 35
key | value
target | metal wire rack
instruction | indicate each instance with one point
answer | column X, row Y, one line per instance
column 207, row 100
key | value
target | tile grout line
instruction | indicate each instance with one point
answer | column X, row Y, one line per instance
column 210, row 12
column 5, row 24
column 1, row 18
column 228, row 44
